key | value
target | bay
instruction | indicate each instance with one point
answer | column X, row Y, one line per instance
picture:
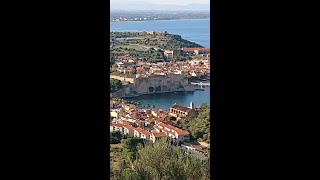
column 195, row 30
column 166, row 100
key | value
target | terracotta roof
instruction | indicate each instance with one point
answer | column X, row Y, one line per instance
column 128, row 126
column 168, row 123
column 138, row 121
column 116, row 125
column 181, row 108
column 149, row 120
column 168, row 132
column 177, row 130
column 156, row 127
column 159, row 134
column 139, row 129
column 183, row 132
column 124, row 122
column 146, row 132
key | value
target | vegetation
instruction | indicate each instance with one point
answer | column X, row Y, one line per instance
column 115, row 137
column 147, row 47
column 160, row 40
column 159, row 161
column 130, row 147
column 115, row 83
column 131, row 47
column 199, row 126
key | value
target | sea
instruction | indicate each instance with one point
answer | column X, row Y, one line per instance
column 195, row 30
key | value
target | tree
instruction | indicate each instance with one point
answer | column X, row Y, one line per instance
column 133, row 72
column 162, row 161
column 116, row 83
column 115, row 136
column 153, row 106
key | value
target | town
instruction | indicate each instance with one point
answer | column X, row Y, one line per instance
column 151, row 124
column 143, row 68
column 150, row 63
column 122, row 15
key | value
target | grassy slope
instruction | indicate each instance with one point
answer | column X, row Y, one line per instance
column 162, row 41
column 116, row 156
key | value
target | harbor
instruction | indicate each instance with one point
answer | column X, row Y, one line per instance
column 165, row 100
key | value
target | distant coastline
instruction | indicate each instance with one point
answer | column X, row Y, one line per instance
column 194, row 30
column 178, row 19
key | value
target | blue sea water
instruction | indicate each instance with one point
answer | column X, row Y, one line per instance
column 195, row 30
column 166, row 100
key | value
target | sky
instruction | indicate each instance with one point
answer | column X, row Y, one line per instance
column 175, row 2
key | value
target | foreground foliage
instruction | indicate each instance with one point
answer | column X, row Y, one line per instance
column 161, row 161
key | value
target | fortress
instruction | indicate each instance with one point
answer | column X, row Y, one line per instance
column 152, row 84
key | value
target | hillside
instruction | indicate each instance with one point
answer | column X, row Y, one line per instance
column 200, row 125
column 156, row 161
column 160, row 40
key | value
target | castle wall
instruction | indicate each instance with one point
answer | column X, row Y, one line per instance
column 160, row 83
column 156, row 84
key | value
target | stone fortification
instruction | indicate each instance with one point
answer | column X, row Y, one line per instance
column 156, row 84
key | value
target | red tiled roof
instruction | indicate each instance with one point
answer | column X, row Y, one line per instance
column 159, row 134
column 183, row 132
column 156, row 127
column 146, row 132
column 149, row 120
column 179, row 131
column 124, row 122
column 166, row 131
column 168, row 123
column 181, row 108
column 128, row 126
column 116, row 125
column 138, row 129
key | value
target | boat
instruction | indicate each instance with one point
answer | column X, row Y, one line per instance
column 199, row 89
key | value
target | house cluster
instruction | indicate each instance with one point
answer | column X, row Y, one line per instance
column 137, row 132
column 196, row 51
column 149, row 124
column 198, row 65
column 194, row 67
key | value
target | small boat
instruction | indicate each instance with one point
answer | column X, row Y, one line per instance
column 199, row 89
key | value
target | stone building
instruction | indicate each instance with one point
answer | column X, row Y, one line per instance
column 182, row 111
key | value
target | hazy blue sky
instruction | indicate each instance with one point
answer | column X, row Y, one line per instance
column 176, row 2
